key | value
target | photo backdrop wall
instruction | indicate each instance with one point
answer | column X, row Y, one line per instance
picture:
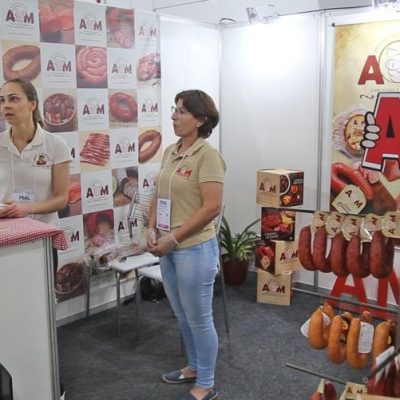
column 98, row 73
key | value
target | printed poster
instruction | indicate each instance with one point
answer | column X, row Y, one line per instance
column 365, row 174
column 97, row 70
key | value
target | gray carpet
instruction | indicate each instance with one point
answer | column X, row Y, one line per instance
column 96, row 364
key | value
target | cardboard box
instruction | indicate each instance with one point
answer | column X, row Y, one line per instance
column 277, row 225
column 279, row 187
column 274, row 289
column 277, row 256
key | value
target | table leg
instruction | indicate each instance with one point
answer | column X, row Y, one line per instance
column 88, row 278
column 118, row 279
column 137, row 297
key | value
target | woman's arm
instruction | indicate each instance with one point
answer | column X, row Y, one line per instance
column 60, row 188
column 153, row 212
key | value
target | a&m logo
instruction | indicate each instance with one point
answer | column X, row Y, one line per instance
column 288, row 255
column 72, row 236
column 149, row 181
column 267, row 186
column 274, row 287
column 149, row 108
column 97, row 190
column 122, row 67
column 184, row 171
column 123, row 224
column 58, row 63
column 387, row 118
column 384, row 67
column 89, row 23
column 93, row 107
column 124, row 146
column 148, row 30
column 18, row 14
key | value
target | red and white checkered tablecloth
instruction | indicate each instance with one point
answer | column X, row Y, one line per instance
column 20, row 230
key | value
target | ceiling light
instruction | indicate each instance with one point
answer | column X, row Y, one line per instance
column 261, row 14
column 387, row 3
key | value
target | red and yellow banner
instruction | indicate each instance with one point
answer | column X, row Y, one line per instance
column 365, row 174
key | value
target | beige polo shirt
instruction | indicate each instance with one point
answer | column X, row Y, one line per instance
column 31, row 170
column 179, row 179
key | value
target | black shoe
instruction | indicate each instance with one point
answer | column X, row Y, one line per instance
column 62, row 392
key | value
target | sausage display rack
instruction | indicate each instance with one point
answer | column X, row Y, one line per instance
column 348, row 301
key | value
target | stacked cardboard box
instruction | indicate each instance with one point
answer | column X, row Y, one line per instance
column 277, row 252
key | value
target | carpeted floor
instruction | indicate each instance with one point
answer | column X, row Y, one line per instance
column 96, row 364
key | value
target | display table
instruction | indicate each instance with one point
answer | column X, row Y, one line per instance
column 28, row 341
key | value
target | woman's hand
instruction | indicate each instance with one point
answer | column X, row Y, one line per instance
column 165, row 244
column 15, row 210
column 151, row 237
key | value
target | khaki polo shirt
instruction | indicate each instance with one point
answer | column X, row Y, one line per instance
column 183, row 173
column 31, row 170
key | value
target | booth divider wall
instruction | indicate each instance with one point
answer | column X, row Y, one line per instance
column 190, row 59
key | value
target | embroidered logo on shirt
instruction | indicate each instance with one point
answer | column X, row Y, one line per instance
column 41, row 160
column 184, row 171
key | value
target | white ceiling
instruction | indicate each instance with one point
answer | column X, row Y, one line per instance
column 211, row 11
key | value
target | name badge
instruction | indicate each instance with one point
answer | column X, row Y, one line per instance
column 23, row 196
column 164, row 214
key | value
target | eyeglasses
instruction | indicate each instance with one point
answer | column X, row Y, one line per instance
column 179, row 111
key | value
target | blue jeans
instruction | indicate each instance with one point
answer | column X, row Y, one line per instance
column 188, row 278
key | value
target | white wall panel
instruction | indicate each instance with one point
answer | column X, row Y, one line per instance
column 269, row 86
column 270, row 114
column 189, row 60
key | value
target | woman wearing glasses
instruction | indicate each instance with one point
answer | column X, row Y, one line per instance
column 182, row 234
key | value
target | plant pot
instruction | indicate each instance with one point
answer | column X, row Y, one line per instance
column 235, row 272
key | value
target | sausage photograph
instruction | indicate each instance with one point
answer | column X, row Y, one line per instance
column 96, row 149
column 123, row 108
column 56, row 21
column 120, row 27
column 149, row 144
column 91, row 67
column 21, row 62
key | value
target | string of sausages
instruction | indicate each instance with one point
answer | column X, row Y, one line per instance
column 341, row 335
column 346, row 257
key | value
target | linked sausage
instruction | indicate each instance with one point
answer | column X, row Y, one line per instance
column 123, row 107
column 153, row 139
column 383, row 338
column 318, row 333
column 305, row 255
column 337, row 255
column 24, row 52
column 91, row 65
column 381, row 256
column 352, row 176
column 354, row 358
column 357, row 257
column 319, row 250
column 336, row 350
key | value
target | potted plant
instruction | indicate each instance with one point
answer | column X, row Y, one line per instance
column 237, row 249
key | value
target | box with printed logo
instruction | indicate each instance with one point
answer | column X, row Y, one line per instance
column 280, row 187
column 277, row 256
column 274, row 289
